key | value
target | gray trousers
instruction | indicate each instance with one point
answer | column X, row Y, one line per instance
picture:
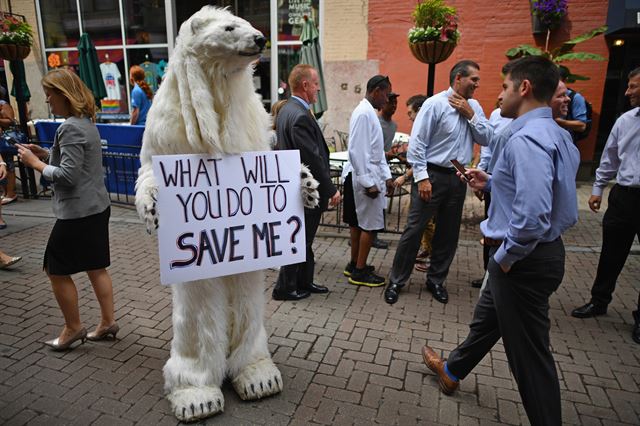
column 447, row 201
column 515, row 306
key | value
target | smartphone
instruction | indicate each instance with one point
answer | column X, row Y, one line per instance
column 459, row 167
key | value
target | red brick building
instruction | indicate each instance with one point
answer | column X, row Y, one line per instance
column 488, row 29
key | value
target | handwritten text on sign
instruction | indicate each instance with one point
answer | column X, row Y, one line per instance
column 222, row 216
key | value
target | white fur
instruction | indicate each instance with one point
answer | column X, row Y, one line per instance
column 207, row 104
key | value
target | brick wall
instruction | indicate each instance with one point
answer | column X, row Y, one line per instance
column 345, row 30
column 488, row 30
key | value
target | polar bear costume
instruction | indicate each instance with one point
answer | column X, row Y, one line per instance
column 207, row 104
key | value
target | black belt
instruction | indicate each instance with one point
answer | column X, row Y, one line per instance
column 632, row 189
column 435, row 167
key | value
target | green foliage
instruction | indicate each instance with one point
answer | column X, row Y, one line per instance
column 562, row 53
column 434, row 20
column 15, row 31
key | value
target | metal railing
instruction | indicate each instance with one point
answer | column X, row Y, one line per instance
column 121, row 163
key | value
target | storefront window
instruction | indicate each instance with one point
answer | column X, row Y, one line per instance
column 144, row 21
column 101, row 20
column 291, row 15
column 153, row 62
column 288, row 57
column 60, row 23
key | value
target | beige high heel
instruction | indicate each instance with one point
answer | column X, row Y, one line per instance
column 57, row 345
column 103, row 334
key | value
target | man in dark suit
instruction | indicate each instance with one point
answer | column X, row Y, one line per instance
column 296, row 128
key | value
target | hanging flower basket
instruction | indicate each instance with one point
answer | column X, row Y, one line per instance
column 432, row 52
column 12, row 52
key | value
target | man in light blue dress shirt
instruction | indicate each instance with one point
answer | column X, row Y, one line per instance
column 445, row 129
column 533, row 202
column 621, row 223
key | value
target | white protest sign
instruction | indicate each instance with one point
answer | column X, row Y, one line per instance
column 222, row 216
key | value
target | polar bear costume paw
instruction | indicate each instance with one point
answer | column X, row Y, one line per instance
column 258, row 380
column 195, row 403
column 146, row 206
column 310, row 194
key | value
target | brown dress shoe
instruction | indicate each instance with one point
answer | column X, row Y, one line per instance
column 436, row 364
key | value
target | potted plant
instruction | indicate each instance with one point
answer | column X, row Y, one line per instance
column 546, row 15
column 435, row 34
column 16, row 38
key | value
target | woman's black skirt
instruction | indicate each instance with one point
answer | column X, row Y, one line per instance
column 77, row 245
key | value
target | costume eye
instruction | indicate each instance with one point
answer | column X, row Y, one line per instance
column 229, row 28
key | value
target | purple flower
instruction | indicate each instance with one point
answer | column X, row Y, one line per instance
column 550, row 12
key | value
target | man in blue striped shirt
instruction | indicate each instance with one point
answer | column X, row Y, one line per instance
column 621, row 223
column 533, row 202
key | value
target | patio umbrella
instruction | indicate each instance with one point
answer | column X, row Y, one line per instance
column 310, row 54
column 90, row 67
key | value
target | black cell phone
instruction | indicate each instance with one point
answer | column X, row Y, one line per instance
column 459, row 167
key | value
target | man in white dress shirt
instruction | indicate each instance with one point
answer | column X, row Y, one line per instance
column 367, row 179
column 445, row 129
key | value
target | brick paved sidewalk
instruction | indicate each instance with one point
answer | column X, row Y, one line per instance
column 346, row 357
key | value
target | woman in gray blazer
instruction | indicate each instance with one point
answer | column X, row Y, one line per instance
column 79, row 240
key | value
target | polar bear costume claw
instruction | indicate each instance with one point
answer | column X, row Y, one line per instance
column 207, row 105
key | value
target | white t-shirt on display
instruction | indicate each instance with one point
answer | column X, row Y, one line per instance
column 110, row 75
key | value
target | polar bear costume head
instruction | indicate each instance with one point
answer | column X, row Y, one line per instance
column 207, row 102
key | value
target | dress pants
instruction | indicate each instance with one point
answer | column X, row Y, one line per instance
column 300, row 275
column 620, row 226
column 515, row 306
column 447, row 201
column 486, row 248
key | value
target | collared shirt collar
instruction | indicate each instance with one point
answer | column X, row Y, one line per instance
column 541, row 112
column 638, row 112
column 304, row 103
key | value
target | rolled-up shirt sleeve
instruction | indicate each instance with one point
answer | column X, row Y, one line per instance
column 531, row 210
column 481, row 129
column 609, row 163
column 419, row 141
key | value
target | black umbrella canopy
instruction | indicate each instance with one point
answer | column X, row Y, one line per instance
column 90, row 67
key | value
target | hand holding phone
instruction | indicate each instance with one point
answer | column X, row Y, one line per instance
column 460, row 168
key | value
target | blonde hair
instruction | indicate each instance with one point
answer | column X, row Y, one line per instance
column 275, row 109
column 77, row 94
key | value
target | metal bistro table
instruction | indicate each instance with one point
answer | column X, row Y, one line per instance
column 395, row 216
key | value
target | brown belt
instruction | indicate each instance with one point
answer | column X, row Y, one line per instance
column 490, row 242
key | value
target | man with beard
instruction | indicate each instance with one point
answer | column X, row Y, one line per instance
column 445, row 129
column 533, row 202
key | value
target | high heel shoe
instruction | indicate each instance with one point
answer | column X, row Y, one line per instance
column 103, row 334
column 57, row 345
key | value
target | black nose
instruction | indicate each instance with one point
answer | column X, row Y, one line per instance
column 261, row 41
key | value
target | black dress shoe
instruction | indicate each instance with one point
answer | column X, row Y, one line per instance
column 589, row 310
column 477, row 283
column 292, row 295
column 315, row 288
column 635, row 334
column 391, row 293
column 439, row 292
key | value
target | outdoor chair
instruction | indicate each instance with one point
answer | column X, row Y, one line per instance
column 343, row 137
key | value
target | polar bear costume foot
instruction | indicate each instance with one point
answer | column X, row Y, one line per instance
column 193, row 403
column 258, row 380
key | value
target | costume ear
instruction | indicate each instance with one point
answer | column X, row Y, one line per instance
column 196, row 25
